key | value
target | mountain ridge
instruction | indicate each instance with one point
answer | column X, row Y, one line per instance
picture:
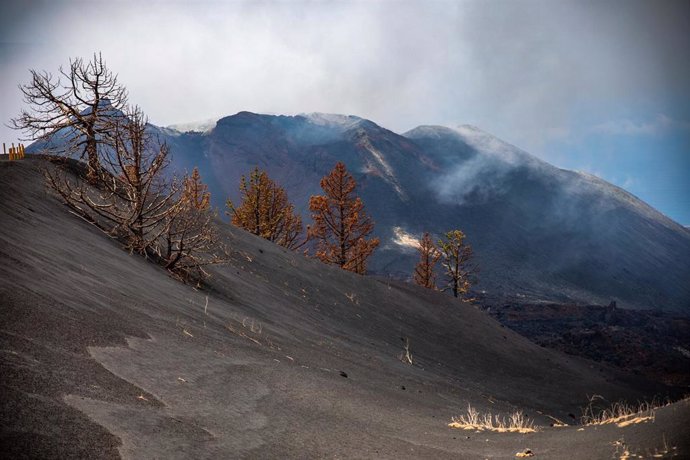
column 539, row 232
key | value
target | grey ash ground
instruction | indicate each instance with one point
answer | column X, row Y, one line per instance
column 103, row 355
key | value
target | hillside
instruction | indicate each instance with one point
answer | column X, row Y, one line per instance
column 104, row 355
column 539, row 232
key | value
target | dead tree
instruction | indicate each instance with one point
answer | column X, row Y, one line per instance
column 341, row 226
column 132, row 199
column 456, row 259
column 429, row 255
column 190, row 241
column 78, row 104
column 128, row 195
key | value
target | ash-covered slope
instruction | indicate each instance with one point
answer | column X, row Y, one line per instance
column 539, row 232
column 104, row 355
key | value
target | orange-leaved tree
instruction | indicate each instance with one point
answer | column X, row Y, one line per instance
column 196, row 191
column 341, row 226
column 428, row 257
column 266, row 211
column 457, row 254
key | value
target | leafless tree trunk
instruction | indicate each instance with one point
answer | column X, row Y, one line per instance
column 78, row 104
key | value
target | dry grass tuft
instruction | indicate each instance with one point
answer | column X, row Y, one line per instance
column 620, row 413
column 623, row 451
column 252, row 330
column 473, row 420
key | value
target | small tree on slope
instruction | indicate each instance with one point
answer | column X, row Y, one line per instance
column 341, row 226
column 190, row 240
column 455, row 258
column 428, row 257
column 266, row 211
column 196, row 192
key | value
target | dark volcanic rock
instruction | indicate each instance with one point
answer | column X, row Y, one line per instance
column 650, row 343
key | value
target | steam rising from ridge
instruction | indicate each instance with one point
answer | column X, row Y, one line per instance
column 481, row 177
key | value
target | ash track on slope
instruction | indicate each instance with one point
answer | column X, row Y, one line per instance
column 104, row 355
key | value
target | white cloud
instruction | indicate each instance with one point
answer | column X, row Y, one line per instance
column 522, row 70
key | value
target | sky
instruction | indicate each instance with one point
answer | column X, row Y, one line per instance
column 597, row 86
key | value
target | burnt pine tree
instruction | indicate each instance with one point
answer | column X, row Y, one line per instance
column 266, row 211
column 456, row 255
column 429, row 255
column 81, row 102
column 190, row 241
column 196, row 192
column 341, row 226
column 132, row 194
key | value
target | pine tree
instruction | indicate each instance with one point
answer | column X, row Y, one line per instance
column 196, row 191
column 428, row 257
column 456, row 255
column 266, row 211
column 341, row 225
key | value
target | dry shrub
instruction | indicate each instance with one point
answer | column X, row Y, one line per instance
column 621, row 413
column 473, row 420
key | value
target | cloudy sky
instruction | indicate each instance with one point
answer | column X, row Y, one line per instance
column 598, row 86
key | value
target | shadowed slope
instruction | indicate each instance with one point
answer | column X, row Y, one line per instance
column 280, row 356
